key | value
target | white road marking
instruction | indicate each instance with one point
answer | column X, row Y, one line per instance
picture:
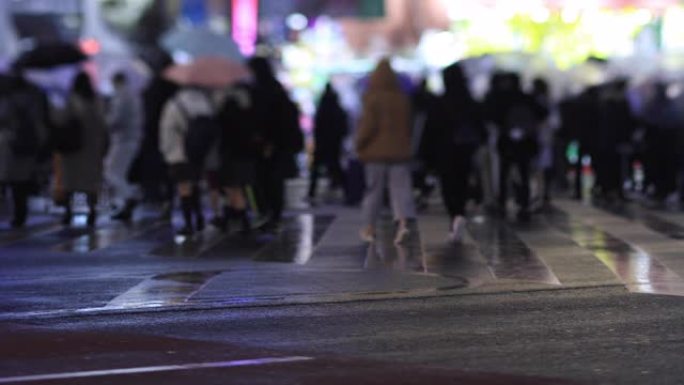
column 153, row 369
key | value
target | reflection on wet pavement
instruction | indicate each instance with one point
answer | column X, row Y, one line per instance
column 190, row 247
column 653, row 222
column 9, row 236
column 105, row 237
column 507, row 255
column 163, row 290
column 639, row 271
column 384, row 254
column 458, row 261
column 297, row 240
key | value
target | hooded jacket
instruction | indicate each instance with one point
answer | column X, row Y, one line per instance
column 384, row 132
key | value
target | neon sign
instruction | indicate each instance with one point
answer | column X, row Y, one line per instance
column 245, row 20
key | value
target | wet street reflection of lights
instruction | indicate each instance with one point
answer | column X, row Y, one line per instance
column 640, row 271
column 163, row 290
column 305, row 244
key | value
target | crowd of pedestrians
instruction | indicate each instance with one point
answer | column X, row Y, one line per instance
column 171, row 144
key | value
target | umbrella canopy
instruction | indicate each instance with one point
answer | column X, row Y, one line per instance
column 198, row 42
column 137, row 72
column 208, row 71
column 50, row 55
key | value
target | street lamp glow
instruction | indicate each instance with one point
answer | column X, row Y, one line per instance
column 297, row 22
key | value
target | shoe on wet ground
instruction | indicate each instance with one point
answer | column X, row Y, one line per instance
column 401, row 235
column 456, row 234
column 367, row 236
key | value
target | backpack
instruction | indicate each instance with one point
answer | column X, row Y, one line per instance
column 203, row 133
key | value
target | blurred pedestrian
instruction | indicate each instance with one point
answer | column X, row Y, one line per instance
column 82, row 144
column 383, row 142
column 517, row 116
column 280, row 137
column 186, row 127
column 616, row 125
column 23, row 135
column 239, row 151
column 423, row 101
column 546, row 137
column 453, row 132
column 150, row 169
column 662, row 135
column 124, row 120
column 330, row 129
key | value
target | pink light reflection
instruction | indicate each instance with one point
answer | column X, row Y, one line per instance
column 245, row 19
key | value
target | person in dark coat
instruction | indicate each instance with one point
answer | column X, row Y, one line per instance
column 453, row 131
column 280, row 137
column 149, row 169
column 23, row 136
column 517, row 116
column 616, row 127
column 82, row 169
column 423, row 101
column 579, row 123
column 238, row 153
column 330, row 129
column 662, row 125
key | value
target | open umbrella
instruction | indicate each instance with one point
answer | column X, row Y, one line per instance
column 198, row 42
column 208, row 71
column 50, row 55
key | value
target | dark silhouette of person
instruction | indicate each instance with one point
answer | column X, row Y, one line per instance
column 517, row 116
column 453, row 131
column 277, row 121
column 330, row 129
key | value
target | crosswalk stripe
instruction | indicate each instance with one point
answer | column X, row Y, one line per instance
column 668, row 228
column 640, row 271
column 507, row 255
column 297, row 240
column 108, row 236
column 163, row 290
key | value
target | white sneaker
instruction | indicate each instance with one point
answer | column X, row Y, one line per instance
column 456, row 235
column 402, row 235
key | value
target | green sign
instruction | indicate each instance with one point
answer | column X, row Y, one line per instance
column 371, row 8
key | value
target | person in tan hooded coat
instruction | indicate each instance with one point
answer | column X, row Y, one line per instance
column 383, row 143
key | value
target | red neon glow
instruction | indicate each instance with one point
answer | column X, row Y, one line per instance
column 89, row 46
column 245, row 21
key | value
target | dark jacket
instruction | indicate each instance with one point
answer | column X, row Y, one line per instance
column 240, row 139
column 454, row 123
column 330, row 126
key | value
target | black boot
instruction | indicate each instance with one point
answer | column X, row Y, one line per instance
column 245, row 223
column 68, row 214
column 20, row 197
column 197, row 208
column 186, row 208
column 228, row 215
column 126, row 213
column 92, row 209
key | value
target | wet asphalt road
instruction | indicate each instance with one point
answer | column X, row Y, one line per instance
column 576, row 297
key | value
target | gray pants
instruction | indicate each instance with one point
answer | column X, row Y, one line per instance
column 400, row 189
